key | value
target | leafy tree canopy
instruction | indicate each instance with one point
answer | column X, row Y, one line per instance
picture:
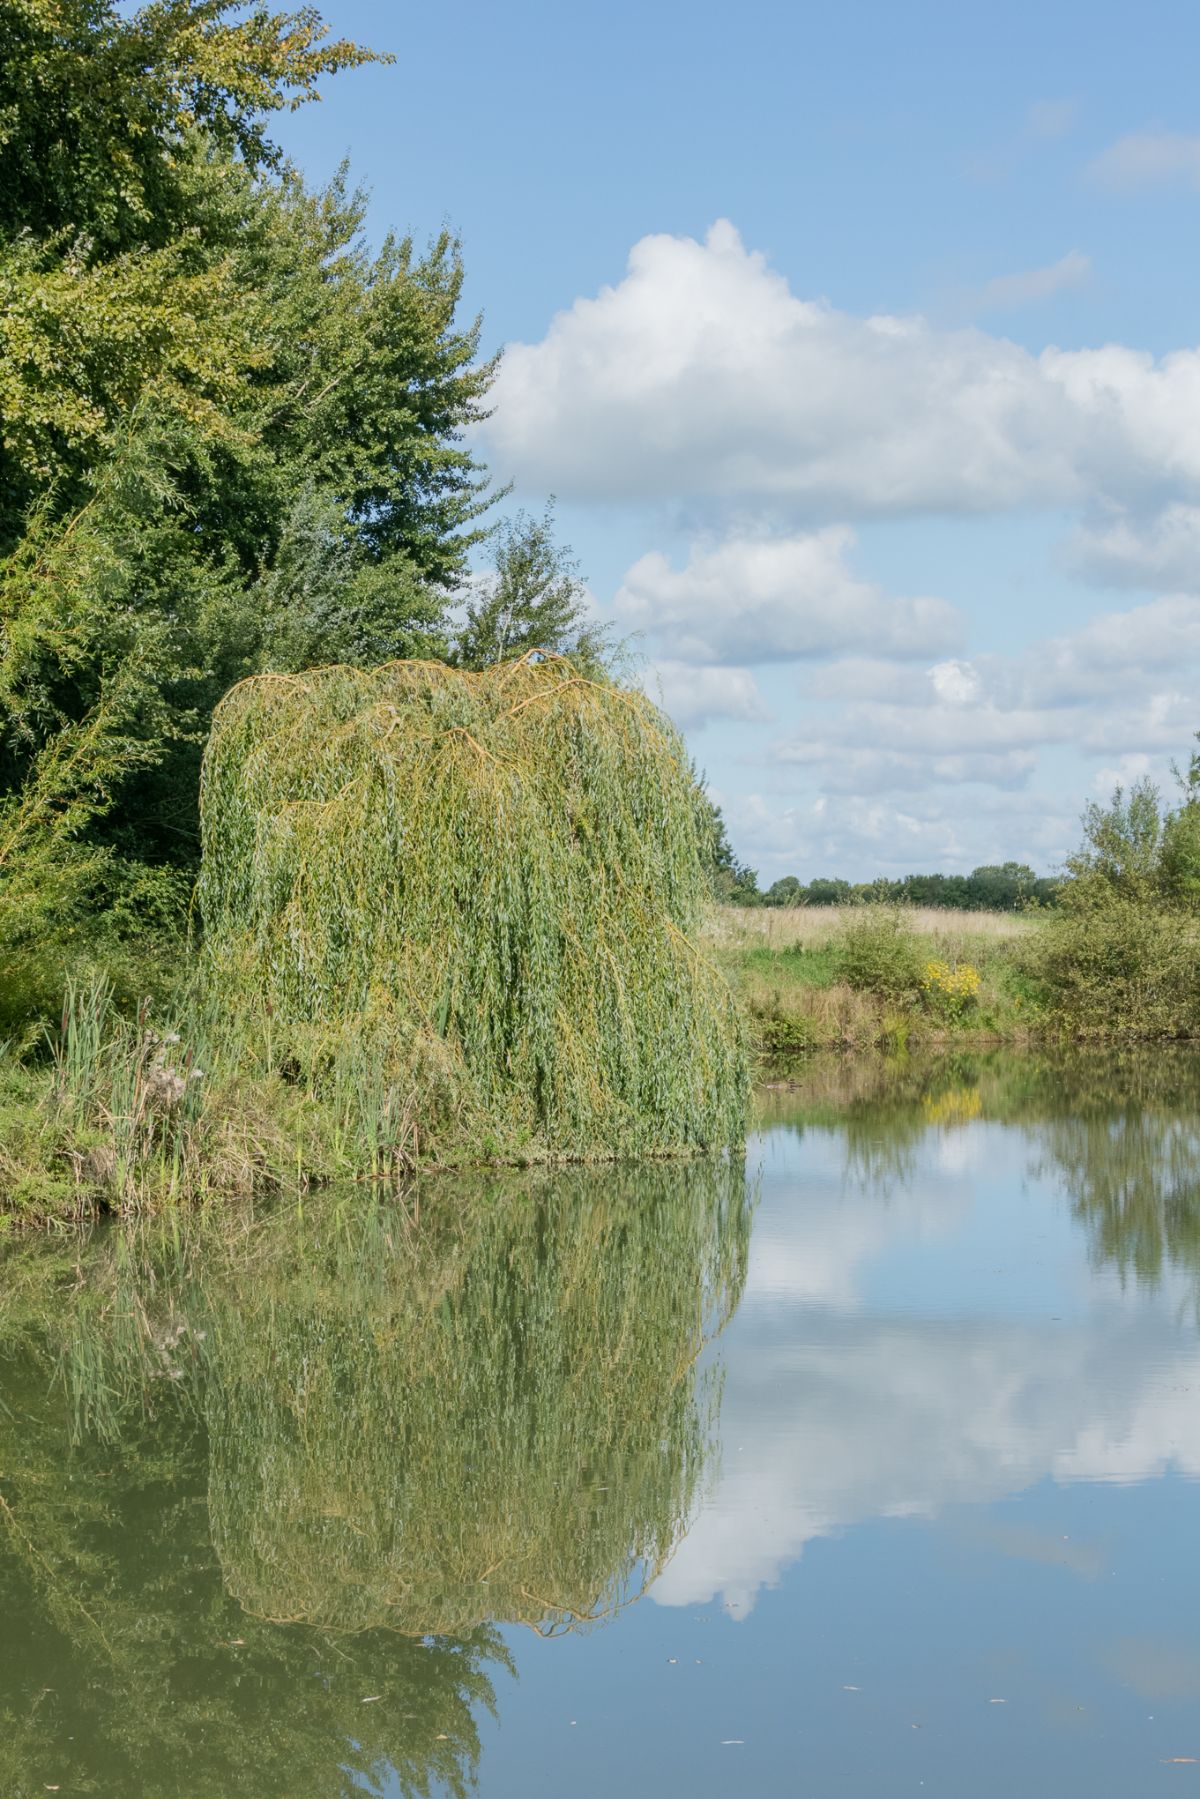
column 231, row 434
column 97, row 106
column 532, row 598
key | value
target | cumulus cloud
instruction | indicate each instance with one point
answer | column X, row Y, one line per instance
column 1004, row 292
column 845, row 769
column 886, row 829
column 1148, row 158
column 1124, row 684
column 1162, row 550
column 694, row 696
column 866, row 777
column 702, row 375
column 758, row 599
column 700, row 382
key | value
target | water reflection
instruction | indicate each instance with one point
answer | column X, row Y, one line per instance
column 393, row 1437
column 917, row 1332
column 274, row 1490
column 1118, row 1130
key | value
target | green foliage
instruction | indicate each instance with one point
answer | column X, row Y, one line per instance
column 1109, row 964
column 1001, row 887
column 96, row 103
column 1180, row 854
column 732, row 882
column 879, row 954
column 491, row 880
column 1138, row 848
column 258, row 1467
column 1121, row 956
column 1121, row 847
column 532, row 598
column 232, row 434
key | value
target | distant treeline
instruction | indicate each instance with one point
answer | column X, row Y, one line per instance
column 1002, row 887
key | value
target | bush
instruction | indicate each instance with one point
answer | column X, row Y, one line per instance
column 950, row 988
column 879, row 954
column 1116, row 966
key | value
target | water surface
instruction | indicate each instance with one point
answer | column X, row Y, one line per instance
column 866, row 1468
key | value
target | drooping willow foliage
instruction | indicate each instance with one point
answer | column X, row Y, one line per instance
column 491, row 880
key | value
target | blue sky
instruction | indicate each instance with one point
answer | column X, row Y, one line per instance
column 859, row 347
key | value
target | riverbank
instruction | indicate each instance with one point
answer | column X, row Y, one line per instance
column 861, row 978
column 175, row 1105
column 844, row 978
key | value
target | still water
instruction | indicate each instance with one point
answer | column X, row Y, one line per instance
column 866, row 1468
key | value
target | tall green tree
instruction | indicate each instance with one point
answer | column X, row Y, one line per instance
column 531, row 598
column 231, row 435
column 1180, row 856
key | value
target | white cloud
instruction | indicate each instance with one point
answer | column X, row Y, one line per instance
column 700, row 382
column 862, row 779
column 700, row 375
column 694, row 696
column 1148, row 158
column 844, row 769
column 957, row 683
column 1162, row 550
column 1125, row 773
column 757, row 599
column 1004, row 292
column 893, row 827
column 1121, row 684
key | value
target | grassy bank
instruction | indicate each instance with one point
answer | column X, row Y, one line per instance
column 177, row 1103
column 863, row 977
column 108, row 1113
column 853, row 978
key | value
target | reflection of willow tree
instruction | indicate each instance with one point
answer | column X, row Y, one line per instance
column 125, row 1666
column 509, row 1430
column 387, row 1434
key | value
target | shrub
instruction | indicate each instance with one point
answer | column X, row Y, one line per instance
column 951, row 988
column 1117, row 966
column 879, row 954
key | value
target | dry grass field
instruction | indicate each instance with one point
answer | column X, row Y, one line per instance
column 812, row 927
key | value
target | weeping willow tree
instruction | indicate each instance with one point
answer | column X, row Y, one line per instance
column 488, row 881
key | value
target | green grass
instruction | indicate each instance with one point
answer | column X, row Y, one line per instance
column 131, row 1115
column 855, row 980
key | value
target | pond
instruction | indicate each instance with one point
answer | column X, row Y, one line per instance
column 866, row 1467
